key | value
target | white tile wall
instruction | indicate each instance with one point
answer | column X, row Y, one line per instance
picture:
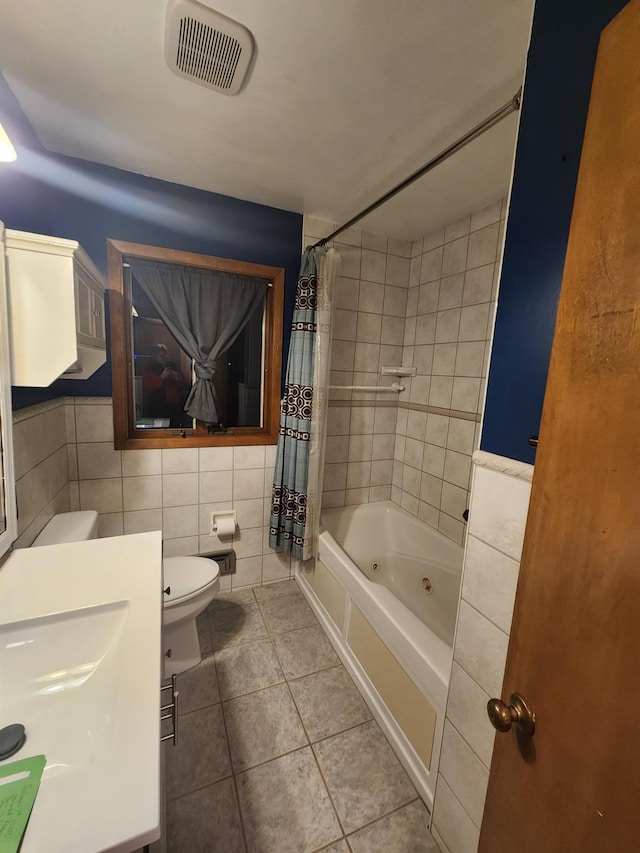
column 499, row 504
column 368, row 332
column 454, row 826
column 433, row 311
column 41, row 467
column 467, row 775
column 449, row 312
column 65, row 460
column 428, row 304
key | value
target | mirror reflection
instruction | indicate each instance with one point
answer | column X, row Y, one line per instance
column 3, row 515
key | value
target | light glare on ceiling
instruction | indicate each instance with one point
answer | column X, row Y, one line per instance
column 7, row 151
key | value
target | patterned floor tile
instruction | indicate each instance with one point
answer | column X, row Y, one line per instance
column 201, row 756
column 286, row 613
column 198, row 687
column 239, row 598
column 305, row 651
column 364, row 777
column 275, row 590
column 285, row 806
column 273, row 780
column 329, row 702
column 247, row 667
column 406, row 830
column 236, row 624
column 206, row 821
column 262, row 726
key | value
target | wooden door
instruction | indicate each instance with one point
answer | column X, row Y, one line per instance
column 574, row 651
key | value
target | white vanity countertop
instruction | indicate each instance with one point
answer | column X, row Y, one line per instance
column 80, row 668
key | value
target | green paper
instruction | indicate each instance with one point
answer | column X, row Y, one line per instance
column 17, row 795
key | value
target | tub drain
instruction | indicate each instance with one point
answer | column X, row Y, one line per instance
column 427, row 586
column 375, row 567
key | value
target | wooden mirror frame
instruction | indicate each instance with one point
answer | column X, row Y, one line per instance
column 120, row 340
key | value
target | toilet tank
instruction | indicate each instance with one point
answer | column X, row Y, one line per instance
column 69, row 527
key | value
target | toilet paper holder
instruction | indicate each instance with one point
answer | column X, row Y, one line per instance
column 223, row 522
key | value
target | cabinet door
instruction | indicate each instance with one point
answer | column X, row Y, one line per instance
column 97, row 310
column 8, row 519
column 84, row 308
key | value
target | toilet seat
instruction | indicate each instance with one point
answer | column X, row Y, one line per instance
column 187, row 577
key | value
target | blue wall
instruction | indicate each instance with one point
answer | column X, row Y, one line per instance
column 84, row 201
column 560, row 65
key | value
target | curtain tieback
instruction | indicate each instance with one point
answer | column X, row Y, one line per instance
column 205, row 369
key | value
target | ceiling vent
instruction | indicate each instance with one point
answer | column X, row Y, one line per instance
column 207, row 47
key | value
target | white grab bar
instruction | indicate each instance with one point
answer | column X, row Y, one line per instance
column 377, row 388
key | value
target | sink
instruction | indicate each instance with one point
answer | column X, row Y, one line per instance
column 80, row 669
column 64, row 691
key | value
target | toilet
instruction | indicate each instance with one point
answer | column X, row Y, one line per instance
column 190, row 584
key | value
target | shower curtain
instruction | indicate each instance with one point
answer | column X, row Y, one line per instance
column 327, row 274
column 297, row 486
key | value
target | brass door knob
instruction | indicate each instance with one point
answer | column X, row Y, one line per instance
column 503, row 716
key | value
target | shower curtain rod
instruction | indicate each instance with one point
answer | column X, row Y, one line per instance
column 510, row 107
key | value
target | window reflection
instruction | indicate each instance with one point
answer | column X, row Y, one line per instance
column 165, row 389
column 163, row 372
column 236, row 342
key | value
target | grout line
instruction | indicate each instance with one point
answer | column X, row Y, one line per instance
column 243, row 832
column 297, row 749
column 300, row 677
column 327, row 789
column 252, row 692
column 272, row 759
column 466, row 742
column 233, row 773
column 329, row 846
column 199, row 788
column 484, row 616
column 457, row 799
column 417, row 798
column 371, row 719
column 473, row 678
column 385, row 814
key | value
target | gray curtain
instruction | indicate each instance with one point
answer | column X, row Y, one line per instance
column 205, row 311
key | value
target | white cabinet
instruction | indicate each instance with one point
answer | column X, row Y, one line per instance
column 89, row 310
column 56, row 310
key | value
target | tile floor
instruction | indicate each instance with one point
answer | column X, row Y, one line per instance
column 278, row 752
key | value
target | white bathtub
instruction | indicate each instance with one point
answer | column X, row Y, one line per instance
column 368, row 590
column 395, row 550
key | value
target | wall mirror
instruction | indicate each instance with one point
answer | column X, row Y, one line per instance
column 196, row 348
column 8, row 519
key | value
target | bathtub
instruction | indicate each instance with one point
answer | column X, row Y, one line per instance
column 385, row 587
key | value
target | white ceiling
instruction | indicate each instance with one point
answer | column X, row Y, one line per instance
column 346, row 98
